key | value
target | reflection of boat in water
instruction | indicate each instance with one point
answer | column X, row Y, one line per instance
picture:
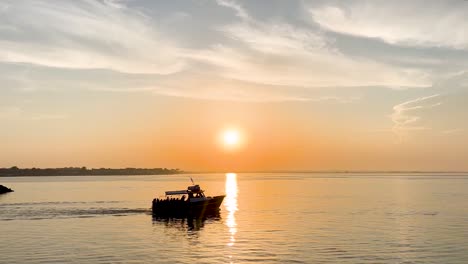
column 186, row 224
column 187, row 203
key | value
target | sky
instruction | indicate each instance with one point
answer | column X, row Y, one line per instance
column 307, row 85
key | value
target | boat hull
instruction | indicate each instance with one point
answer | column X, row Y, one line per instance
column 180, row 208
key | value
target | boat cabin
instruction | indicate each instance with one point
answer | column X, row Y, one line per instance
column 193, row 191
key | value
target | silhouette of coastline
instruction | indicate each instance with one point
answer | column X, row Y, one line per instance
column 83, row 171
column 4, row 189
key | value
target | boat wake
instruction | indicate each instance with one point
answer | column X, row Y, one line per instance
column 65, row 210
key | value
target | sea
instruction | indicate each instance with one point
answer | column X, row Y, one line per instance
column 265, row 218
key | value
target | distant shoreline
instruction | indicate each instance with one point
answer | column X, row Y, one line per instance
column 329, row 171
column 83, row 171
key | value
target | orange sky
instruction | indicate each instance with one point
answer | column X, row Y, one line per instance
column 184, row 133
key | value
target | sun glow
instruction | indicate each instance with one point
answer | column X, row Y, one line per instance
column 231, row 139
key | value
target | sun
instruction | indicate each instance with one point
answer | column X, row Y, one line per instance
column 231, row 139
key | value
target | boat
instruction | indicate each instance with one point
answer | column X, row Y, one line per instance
column 4, row 189
column 191, row 202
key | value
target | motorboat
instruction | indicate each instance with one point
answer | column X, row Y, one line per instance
column 191, row 202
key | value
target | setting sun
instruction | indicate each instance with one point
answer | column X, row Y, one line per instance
column 231, row 139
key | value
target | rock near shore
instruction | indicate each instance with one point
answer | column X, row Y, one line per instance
column 4, row 189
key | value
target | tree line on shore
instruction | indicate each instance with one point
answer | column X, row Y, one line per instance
column 83, row 171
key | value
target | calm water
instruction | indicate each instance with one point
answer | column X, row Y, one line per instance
column 267, row 218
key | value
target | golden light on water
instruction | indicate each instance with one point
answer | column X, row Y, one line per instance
column 230, row 203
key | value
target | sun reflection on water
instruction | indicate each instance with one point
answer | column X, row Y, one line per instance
column 231, row 205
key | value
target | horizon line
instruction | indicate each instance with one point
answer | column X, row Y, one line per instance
column 182, row 171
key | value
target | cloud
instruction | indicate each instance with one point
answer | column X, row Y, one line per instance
column 240, row 11
column 112, row 46
column 404, row 115
column 278, row 53
column 453, row 131
column 84, row 35
column 42, row 117
column 205, row 86
column 199, row 84
column 17, row 113
column 415, row 23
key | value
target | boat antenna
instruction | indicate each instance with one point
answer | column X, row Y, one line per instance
column 192, row 181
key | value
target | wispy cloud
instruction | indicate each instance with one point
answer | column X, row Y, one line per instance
column 240, row 11
column 85, row 35
column 17, row 113
column 453, row 131
column 414, row 23
column 405, row 116
column 41, row 117
column 279, row 53
column 249, row 59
